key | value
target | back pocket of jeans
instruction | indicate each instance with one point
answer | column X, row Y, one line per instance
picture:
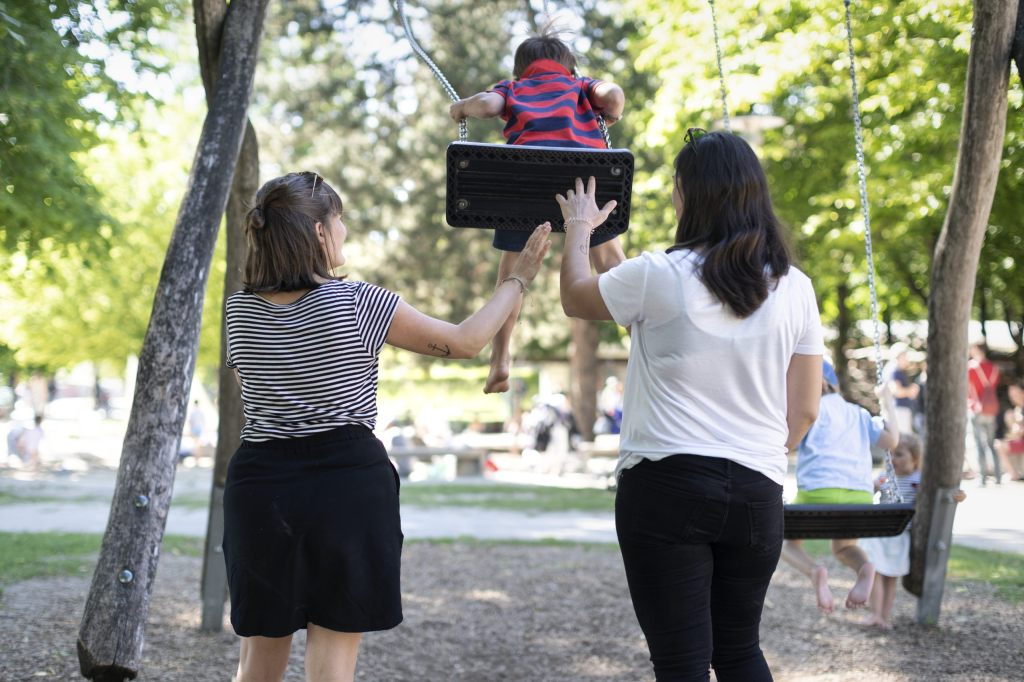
column 766, row 524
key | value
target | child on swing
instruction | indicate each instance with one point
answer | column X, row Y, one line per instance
column 834, row 467
column 891, row 555
column 546, row 105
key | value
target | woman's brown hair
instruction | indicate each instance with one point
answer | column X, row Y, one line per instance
column 285, row 253
column 728, row 216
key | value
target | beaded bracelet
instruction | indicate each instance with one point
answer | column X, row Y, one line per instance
column 518, row 280
column 581, row 220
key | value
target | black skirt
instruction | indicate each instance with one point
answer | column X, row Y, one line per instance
column 312, row 534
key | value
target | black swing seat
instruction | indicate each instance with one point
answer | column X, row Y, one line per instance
column 804, row 521
column 513, row 187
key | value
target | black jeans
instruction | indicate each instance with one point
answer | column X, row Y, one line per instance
column 700, row 539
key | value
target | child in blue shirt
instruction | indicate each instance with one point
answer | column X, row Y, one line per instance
column 834, row 467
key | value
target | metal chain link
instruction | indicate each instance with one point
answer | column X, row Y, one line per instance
column 422, row 54
column 721, row 72
column 890, row 492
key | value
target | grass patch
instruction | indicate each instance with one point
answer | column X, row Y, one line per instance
column 39, row 555
column 512, row 497
column 1002, row 570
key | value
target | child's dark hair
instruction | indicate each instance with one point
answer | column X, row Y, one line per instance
column 284, row 251
column 545, row 45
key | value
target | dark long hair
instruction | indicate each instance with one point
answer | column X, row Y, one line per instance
column 284, row 251
column 727, row 216
column 547, row 44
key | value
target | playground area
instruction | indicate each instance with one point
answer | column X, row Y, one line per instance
column 479, row 611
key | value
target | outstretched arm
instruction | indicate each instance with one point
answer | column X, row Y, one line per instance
column 580, row 294
column 420, row 333
column 480, row 105
column 609, row 100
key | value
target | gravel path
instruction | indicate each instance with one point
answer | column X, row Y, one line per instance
column 479, row 612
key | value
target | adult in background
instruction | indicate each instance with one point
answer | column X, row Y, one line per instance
column 896, row 375
column 312, row 535
column 724, row 377
column 983, row 408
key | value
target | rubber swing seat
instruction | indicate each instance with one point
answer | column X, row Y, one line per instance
column 513, row 187
column 805, row 521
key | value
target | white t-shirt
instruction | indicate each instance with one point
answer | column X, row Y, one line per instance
column 700, row 380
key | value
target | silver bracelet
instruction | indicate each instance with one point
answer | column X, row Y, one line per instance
column 518, row 280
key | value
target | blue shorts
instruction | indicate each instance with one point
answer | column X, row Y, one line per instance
column 515, row 240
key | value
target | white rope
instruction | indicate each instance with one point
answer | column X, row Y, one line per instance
column 890, row 493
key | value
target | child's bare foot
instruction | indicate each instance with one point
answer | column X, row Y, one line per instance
column 819, row 577
column 858, row 597
column 875, row 621
column 497, row 378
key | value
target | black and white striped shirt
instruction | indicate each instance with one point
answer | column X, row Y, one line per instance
column 310, row 365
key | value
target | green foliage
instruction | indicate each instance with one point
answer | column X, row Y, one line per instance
column 790, row 59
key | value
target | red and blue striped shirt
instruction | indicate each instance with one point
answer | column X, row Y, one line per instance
column 549, row 107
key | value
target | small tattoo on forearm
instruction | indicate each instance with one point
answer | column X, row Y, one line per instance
column 585, row 249
column 443, row 352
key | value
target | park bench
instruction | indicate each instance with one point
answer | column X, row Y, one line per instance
column 469, row 461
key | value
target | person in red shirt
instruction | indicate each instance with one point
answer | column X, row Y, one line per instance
column 546, row 105
column 983, row 407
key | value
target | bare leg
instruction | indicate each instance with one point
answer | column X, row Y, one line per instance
column 793, row 553
column 501, row 354
column 889, row 584
column 853, row 556
column 876, row 619
column 606, row 256
column 331, row 655
column 263, row 659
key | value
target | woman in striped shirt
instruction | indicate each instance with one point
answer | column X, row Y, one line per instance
column 312, row 535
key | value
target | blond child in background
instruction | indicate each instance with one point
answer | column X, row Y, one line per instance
column 891, row 555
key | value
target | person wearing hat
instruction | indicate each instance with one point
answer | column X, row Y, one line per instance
column 834, row 467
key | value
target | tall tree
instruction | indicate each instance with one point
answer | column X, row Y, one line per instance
column 113, row 623
column 209, row 17
column 953, row 275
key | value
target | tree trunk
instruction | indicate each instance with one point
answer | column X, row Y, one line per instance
column 229, row 395
column 1018, row 41
column 209, row 17
column 955, row 266
column 113, row 623
column 842, row 333
column 583, row 374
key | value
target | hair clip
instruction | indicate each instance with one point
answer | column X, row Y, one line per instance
column 315, row 177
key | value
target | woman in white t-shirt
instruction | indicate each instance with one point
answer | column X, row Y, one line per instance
column 723, row 379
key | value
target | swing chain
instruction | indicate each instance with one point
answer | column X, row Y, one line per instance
column 890, row 492
column 721, row 72
column 438, row 74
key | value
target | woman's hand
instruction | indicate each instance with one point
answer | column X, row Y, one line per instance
column 580, row 209
column 532, row 255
